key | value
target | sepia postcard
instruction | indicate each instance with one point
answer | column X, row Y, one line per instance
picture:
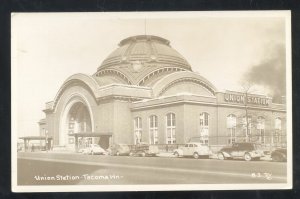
column 139, row 101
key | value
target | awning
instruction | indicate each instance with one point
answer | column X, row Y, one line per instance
column 34, row 137
column 90, row 134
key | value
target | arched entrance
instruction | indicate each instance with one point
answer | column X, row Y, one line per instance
column 79, row 121
column 79, row 129
column 77, row 126
column 76, row 117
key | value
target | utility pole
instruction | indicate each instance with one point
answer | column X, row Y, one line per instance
column 246, row 117
column 248, row 124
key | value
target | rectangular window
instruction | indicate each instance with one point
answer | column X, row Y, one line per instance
column 204, row 127
column 232, row 137
column 262, row 136
column 138, row 130
column 171, row 128
column 278, row 123
column 231, row 128
column 153, row 130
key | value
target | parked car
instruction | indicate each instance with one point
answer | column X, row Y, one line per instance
column 144, row 149
column 119, row 149
column 193, row 149
column 94, row 149
column 246, row 151
column 279, row 155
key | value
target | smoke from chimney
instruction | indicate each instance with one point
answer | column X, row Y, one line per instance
column 270, row 72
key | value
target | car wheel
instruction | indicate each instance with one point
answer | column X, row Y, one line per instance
column 176, row 154
column 118, row 153
column 143, row 154
column 221, row 156
column 196, row 155
column 247, row 157
column 130, row 154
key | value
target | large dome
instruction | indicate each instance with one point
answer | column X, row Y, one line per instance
column 141, row 60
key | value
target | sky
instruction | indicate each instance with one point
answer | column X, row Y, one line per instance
column 226, row 48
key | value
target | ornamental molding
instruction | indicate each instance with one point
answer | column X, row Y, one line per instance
column 114, row 72
column 160, row 70
column 187, row 79
column 70, row 83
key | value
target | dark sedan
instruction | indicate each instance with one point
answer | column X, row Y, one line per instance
column 246, row 151
column 279, row 155
column 119, row 149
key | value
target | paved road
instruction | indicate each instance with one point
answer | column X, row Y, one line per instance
column 69, row 169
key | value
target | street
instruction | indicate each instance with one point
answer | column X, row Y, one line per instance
column 40, row 168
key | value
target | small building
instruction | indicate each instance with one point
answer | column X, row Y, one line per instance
column 145, row 91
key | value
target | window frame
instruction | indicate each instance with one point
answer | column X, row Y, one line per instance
column 232, row 127
column 171, row 128
column 138, row 129
column 261, row 123
column 153, row 129
column 204, row 121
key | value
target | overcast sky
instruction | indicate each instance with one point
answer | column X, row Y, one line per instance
column 47, row 48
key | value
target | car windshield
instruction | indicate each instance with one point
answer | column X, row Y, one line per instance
column 197, row 144
column 244, row 146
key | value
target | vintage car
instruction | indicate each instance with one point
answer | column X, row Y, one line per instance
column 144, row 149
column 93, row 149
column 246, row 151
column 279, row 155
column 119, row 149
column 193, row 149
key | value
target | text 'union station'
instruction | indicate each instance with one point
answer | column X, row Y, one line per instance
column 145, row 91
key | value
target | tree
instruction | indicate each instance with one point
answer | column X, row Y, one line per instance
column 247, row 116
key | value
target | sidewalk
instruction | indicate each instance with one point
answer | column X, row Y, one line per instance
column 212, row 156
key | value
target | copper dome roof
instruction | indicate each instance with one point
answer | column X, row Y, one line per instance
column 140, row 55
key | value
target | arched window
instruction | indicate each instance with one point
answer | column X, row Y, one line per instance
column 231, row 126
column 277, row 123
column 247, row 127
column 153, row 134
column 137, row 130
column 261, row 129
column 171, row 128
column 204, row 127
column 276, row 136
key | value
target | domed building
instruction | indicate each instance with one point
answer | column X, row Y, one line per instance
column 145, row 91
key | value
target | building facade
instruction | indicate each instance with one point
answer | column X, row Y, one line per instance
column 145, row 91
